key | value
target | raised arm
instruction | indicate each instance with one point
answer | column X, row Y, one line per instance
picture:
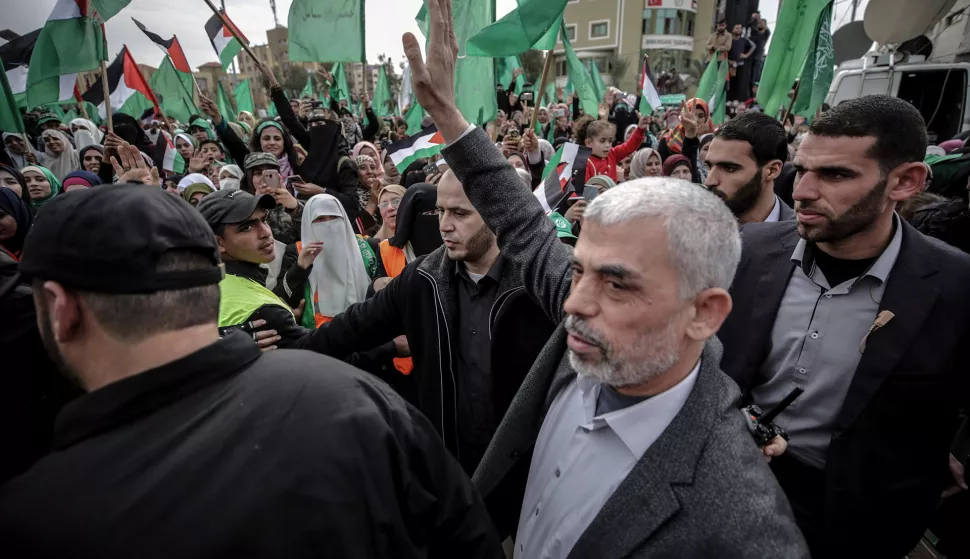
column 525, row 235
column 234, row 145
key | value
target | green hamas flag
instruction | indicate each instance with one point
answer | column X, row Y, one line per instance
column 818, row 71
column 339, row 90
column 174, row 90
column 382, row 103
column 474, row 76
column 505, row 68
column 225, row 106
column 308, row 88
column 413, row 117
column 109, row 8
column 794, row 36
column 597, row 81
column 326, row 31
column 718, row 99
column 705, row 87
column 580, row 79
column 244, row 96
column 520, row 29
column 10, row 120
column 271, row 110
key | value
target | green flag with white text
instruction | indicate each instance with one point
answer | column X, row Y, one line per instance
column 244, row 96
column 597, row 81
column 326, row 31
column 383, row 103
column 818, row 71
column 225, row 106
column 520, row 29
column 308, row 88
column 339, row 90
column 791, row 44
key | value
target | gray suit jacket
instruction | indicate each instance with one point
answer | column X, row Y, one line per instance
column 786, row 213
column 701, row 490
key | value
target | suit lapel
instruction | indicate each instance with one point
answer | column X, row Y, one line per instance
column 910, row 298
column 645, row 500
column 773, row 274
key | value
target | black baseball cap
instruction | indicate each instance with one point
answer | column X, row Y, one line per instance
column 109, row 240
column 232, row 206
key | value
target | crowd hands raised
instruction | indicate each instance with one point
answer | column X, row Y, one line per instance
column 568, row 380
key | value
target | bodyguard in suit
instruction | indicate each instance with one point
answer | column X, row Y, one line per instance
column 745, row 157
column 625, row 439
column 871, row 318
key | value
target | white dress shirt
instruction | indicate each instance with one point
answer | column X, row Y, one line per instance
column 580, row 459
column 775, row 214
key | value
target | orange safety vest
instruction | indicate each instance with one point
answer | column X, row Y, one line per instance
column 395, row 261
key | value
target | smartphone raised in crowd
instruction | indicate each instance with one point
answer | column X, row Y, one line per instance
column 293, row 179
column 271, row 178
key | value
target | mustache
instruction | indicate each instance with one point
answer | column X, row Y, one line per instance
column 578, row 327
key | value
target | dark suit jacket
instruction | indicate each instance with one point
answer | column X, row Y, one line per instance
column 887, row 462
column 786, row 213
column 701, row 490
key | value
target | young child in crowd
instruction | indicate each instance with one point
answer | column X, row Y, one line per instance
column 598, row 136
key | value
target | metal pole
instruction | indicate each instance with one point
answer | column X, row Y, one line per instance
column 855, row 6
column 107, row 96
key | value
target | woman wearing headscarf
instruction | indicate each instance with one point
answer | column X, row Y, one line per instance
column 12, row 179
column 91, row 158
column 338, row 277
column 246, row 117
column 85, row 133
column 415, row 231
column 369, row 149
column 701, row 166
column 194, row 193
column 186, row 145
column 15, row 221
column 368, row 187
column 673, row 140
column 42, row 185
column 194, row 178
column 18, row 148
column 79, row 180
column 170, row 184
column 268, row 137
column 646, row 163
column 678, row 167
column 60, row 156
column 230, row 177
column 388, row 201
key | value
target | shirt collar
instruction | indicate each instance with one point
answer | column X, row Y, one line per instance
column 495, row 272
column 125, row 400
column 802, row 255
column 775, row 214
column 639, row 425
column 247, row 270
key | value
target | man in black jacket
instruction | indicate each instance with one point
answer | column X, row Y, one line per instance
column 189, row 446
column 871, row 318
column 472, row 330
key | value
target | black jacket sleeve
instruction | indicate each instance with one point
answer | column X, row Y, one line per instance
column 373, row 126
column 345, row 190
column 234, row 145
column 288, row 118
column 690, row 152
column 289, row 288
column 663, row 150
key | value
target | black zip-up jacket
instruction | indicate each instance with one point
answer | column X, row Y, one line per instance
column 422, row 303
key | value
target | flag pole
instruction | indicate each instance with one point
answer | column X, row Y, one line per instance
column 84, row 110
column 542, row 88
column 107, row 95
column 232, row 30
column 791, row 105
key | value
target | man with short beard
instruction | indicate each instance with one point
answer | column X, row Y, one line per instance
column 745, row 157
column 625, row 440
column 472, row 331
column 871, row 319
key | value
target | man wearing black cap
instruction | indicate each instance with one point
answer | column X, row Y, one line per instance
column 187, row 445
column 245, row 242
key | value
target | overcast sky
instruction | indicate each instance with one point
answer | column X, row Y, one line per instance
column 386, row 21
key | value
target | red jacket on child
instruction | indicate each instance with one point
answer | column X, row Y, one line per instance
column 607, row 165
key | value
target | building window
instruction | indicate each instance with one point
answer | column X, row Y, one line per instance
column 668, row 21
column 562, row 69
column 599, row 29
column 571, row 32
column 602, row 64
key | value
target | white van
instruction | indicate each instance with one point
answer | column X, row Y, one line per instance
column 940, row 90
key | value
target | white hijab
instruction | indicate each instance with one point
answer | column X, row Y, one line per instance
column 338, row 278
column 64, row 163
column 88, row 134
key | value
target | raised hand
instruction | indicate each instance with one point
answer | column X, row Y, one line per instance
column 210, row 108
column 198, row 163
column 130, row 166
column 434, row 81
column 689, row 120
column 309, row 254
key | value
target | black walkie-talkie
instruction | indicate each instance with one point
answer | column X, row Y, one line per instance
column 761, row 424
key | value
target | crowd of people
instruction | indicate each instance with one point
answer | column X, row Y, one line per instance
column 291, row 347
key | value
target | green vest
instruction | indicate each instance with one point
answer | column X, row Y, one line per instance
column 240, row 297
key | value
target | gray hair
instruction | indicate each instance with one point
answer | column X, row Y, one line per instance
column 526, row 177
column 702, row 233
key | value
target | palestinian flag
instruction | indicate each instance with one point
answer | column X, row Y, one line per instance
column 170, row 46
column 227, row 46
column 15, row 56
column 130, row 93
column 424, row 144
column 166, row 157
column 565, row 174
column 649, row 97
column 71, row 41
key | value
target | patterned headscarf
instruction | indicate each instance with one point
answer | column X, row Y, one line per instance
column 675, row 136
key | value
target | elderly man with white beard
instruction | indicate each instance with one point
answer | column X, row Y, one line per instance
column 625, row 439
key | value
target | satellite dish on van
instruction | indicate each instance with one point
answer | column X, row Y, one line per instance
column 920, row 45
column 894, row 21
column 850, row 42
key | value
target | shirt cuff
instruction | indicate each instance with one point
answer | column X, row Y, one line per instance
column 465, row 133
